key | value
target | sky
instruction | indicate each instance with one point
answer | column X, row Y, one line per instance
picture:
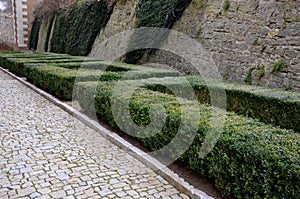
column 2, row 5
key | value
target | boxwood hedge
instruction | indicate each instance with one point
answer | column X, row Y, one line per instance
column 105, row 65
column 250, row 159
column 272, row 106
column 16, row 65
column 60, row 81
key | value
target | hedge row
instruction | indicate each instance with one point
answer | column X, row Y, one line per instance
column 250, row 159
column 105, row 65
column 60, row 81
column 9, row 54
column 16, row 65
column 272, row 106
column 44, row 71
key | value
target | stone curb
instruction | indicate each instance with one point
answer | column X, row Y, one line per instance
column 154, row 164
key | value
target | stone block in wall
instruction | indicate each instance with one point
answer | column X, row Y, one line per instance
column 257, row 31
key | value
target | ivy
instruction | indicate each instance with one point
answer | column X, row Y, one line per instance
column 34, row 35
column 77, row 27
column 150, row 13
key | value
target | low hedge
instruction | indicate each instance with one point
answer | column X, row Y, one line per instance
column 103, row 65
column 119, row 66
column 60, row 81
column 250, row 159
column 10, row 54
column 272, row 106
column 16, row 65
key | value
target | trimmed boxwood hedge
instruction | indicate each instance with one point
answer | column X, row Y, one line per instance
column 16, row 65
column 104, row 65
column 60, row 81
column 250, row 160
column 272, row 106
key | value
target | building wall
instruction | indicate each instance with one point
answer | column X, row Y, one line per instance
column 21, row 25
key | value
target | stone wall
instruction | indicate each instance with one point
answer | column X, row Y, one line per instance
column 246, row 40
column 123, row 18
column 6, row 24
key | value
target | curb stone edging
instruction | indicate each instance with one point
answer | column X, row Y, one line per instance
column 146, row 159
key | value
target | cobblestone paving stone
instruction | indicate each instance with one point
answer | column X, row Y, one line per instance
column 47, row 153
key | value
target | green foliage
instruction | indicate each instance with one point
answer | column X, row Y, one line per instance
column 199, row 31
column 278, row 66
column 51, row 21
column 76, row 28
column 60, row 81
column 280, row 108
column 226, row 5
column 34, row 34
column 199, row 3
column 43, row 70
column 160, row 13
column 250, row 159
column 261, row 72
column 287, row 87
column 248, row 79
column 218, row 14
column 60, row 32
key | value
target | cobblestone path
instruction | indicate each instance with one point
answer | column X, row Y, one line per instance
column 47, row 153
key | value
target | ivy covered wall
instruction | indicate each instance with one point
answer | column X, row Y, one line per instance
column 160, row 13
column 34, row 34
column 75, row 28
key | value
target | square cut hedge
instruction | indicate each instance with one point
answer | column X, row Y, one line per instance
column 60, row 81
column 16, row 65
column 272, row 106
column 103, row 65
column 250, row 159
column 111, row 66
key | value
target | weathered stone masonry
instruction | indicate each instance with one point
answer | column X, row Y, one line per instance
column 250, row 34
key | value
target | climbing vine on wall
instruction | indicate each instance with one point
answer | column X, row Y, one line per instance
column 154, row 13
column 51, row 20
column 77, row 27
column 34, row 34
